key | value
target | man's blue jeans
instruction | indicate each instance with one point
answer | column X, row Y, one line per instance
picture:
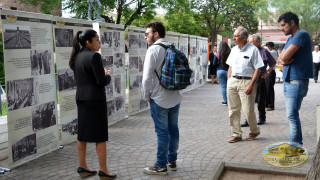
column 294, row 92
column 166, row 127
column 223, row 77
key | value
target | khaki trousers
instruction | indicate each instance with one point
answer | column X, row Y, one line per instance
column 237, row 99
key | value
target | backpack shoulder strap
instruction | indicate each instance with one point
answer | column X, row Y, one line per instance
column 165, row 47
column 162, row 45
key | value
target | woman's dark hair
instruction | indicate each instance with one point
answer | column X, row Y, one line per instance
column 157, row 26
column 80, row 41
column 288, row 16
column 224, row 51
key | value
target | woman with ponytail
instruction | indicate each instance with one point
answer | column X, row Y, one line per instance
column 91, row 79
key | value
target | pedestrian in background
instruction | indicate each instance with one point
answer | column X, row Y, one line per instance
column 261, row 84
column 316, row 63
column 296, row 58
column 222, row 71
column 271, row 80
column 91, row 79
column 212, row 68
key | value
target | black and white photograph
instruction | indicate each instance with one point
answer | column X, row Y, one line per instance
column 193, row 51
column 110, row 108
column 192, row 78
column 22, row 93
column 71, row 128
column 197, row 76
column 141, row 61
column 134, row 82
column 118, row 103
column 109, row 89
column 43, row 116
column 106, row 39
column 116, row 41
column 118, row 60
column 117, row 85
column 184, row 49
column 134, row 41
column 63, row 37
column 24, row 147
column 142, row 42
column 107, row 62
column 40, row 62
column 143, row 103
column 66, row 80
column 133, row 63
column 200, row 81
column 16, row 37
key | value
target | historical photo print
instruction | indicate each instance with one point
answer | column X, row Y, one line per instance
column 110, row 108
column 109, row 89
column 16, row 37
column 40, row 62
column 22, row 93
column 134, row 82
column 141, row 61
column 192, row 78
column 107, row 62
column 133, row 63
column 66, row 80
column 24, row 147
column 134, row 41
column 143, row 103
column 118, row 60
column 142, row 42
column 116, row 40
column 117, row 85
column 118, row 103
column 71, row 128
column 43, row 116
column 63, row 37
column 106, row 39
column 184, row 49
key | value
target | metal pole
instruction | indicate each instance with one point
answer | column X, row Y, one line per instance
column 261, row 31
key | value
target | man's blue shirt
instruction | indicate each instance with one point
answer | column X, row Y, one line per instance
column 301, row 67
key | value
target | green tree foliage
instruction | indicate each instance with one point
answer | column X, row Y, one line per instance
column 46, row 6
column 181, row 18
column 127, row 11
column 225, row 15
column 307, row 11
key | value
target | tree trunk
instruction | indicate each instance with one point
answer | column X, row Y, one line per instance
column 119, row 13
column 314, row 172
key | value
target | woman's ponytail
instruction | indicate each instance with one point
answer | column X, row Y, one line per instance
column 75, row 49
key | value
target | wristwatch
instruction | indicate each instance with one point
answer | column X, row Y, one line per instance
column 268, row 72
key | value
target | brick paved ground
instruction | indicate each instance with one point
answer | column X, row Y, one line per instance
column 204, row 131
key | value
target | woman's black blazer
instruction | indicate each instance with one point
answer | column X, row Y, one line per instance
column 90, row 76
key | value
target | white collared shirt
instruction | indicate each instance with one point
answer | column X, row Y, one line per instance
column 316, row 57
column 244, row 61
column 151, row 89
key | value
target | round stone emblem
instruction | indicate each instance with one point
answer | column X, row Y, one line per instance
column 285, row 154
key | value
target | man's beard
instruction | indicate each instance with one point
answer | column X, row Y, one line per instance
column 152, row 40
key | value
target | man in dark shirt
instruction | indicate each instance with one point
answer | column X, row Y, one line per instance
column 268, row 60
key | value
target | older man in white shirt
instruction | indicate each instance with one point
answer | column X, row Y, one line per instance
column 164, row 104
column 244, row 62
column 316, row 63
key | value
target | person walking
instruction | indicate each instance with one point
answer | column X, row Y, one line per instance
column 261, row 84
column 222, row 71
column 296, row 58
column 271, row 80
column 316, row 63
column 164, row 104
column 91, row 79
column 244, row 68
column 212, row 68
